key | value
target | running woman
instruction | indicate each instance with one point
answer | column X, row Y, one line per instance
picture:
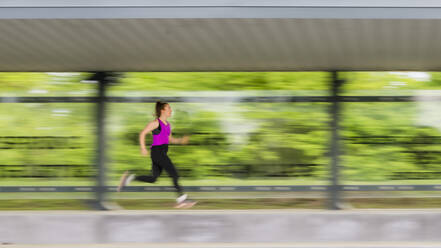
column 162, row 136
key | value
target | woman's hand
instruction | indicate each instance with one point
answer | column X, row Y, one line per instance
column 185, row 139
column 144, row 152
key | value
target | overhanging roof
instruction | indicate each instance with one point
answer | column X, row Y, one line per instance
column 191, row 35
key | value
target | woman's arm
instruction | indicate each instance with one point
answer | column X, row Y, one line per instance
column 150, row 127
column 183, row 140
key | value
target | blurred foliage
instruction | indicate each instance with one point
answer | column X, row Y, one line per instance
column 228, row 140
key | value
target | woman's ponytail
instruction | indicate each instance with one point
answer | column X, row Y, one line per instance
column 159, row 106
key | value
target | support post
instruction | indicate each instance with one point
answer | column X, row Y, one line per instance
column 334, row 189
column 100, row 202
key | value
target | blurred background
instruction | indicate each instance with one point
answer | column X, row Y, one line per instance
column 234, row 141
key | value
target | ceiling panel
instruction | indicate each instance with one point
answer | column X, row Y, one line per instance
column 224, row 44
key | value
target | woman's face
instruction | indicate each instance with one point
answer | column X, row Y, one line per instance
column 167, row 110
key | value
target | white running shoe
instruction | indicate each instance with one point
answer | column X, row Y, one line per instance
column 125, row 180
column 181, row 198
column 184, row 202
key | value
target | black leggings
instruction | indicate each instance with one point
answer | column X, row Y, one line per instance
column 160, row 161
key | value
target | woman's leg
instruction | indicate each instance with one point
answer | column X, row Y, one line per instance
column 168, row 166
column 126, row 178
column 156, row 172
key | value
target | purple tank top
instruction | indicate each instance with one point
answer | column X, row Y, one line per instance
column 161, row 137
